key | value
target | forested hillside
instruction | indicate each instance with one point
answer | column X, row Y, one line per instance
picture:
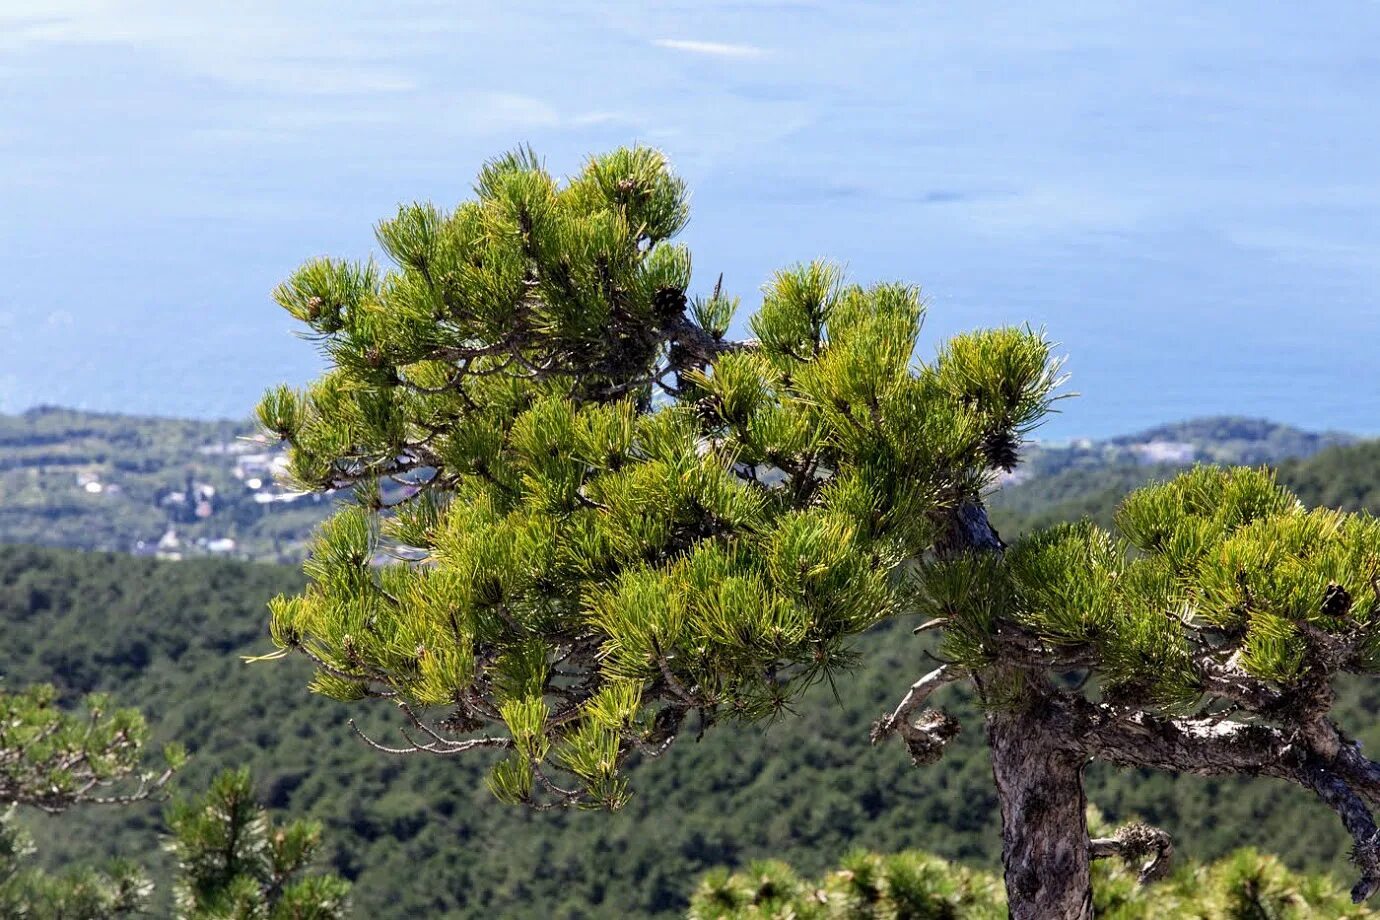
column 1223, row 439
column 168, row 638
column 150, row 486
column 1345, row 476
column 180, row 488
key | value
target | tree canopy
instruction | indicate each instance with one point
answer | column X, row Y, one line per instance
column 622, row 518
column 52, row 759
column 1244, row 885
column 233, row 863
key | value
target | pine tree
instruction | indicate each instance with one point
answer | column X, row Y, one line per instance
column 52, row 759
column 121, row 889
column 586, row 522
column 235, row 863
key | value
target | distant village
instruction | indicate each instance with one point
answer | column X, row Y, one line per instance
column 256, row 466
column 174, row 490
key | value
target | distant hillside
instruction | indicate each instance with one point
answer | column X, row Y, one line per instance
column 168, row 638
column 1345, row 476
column 180, row 488
column 1218, row 439
column 149, row 486
column 1233, row 439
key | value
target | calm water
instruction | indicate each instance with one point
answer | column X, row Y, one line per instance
column 1184, row 195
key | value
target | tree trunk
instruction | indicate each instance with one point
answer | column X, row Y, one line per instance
column 1044, row 825
column 1044, row 822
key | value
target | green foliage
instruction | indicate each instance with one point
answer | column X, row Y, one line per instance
column 807, row 790
column 1065, row 483
column 235, row 863
column 604, row 497
column 1226, row 550
column 1244, row 885
column 866, row 886
column 53, row 759
column 27, row 892
column 1346, row 477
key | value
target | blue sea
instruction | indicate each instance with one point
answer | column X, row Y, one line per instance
column 1186, row 196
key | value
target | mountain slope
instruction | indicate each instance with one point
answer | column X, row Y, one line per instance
column 1345, row 476
column 143, row 485
column 168, row 638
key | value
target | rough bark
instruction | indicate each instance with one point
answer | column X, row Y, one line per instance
column 1043, row 818
column 1039, row 778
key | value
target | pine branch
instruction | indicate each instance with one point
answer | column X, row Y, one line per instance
column 919, row 692
column 1135, row 842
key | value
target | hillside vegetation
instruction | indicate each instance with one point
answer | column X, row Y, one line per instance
column 1245, row 885
column 181, row 488
column 168, row 638
column 133, row 484
column 1345, row 476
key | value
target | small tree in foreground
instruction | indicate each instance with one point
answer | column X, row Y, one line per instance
column 235, row 863
column 120, row 889
column 1244, row 885
column 613, row 525
column 52, row 759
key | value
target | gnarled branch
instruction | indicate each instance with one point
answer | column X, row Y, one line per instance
column 915, row 697
column 1134, row 842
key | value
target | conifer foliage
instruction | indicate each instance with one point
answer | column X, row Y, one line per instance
column 121, row 889
column 1245, row 885
column 1203, row 636
column 235, row 863
column 52, row 759
column 602, row 523
column 620, row 520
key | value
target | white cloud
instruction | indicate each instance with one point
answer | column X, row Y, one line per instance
column 257, row 44
column 61, row 319
column 713, row 49
column 1053, row 207
column 500, row 113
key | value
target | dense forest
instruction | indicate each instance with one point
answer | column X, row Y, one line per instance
column 169, row 638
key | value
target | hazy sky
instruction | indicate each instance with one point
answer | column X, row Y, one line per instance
column 1184, row 194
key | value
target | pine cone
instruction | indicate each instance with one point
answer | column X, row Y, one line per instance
column 668, row 303
column 709, row 409
column 1002, row 450
column 461, row 722
column 1336, row 601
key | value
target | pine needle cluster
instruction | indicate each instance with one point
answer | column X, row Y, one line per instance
column 235, row 862
column 1244, row 885
column 52, row 758
column 1216, row 583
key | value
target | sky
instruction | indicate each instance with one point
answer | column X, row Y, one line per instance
column 1183, row 195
